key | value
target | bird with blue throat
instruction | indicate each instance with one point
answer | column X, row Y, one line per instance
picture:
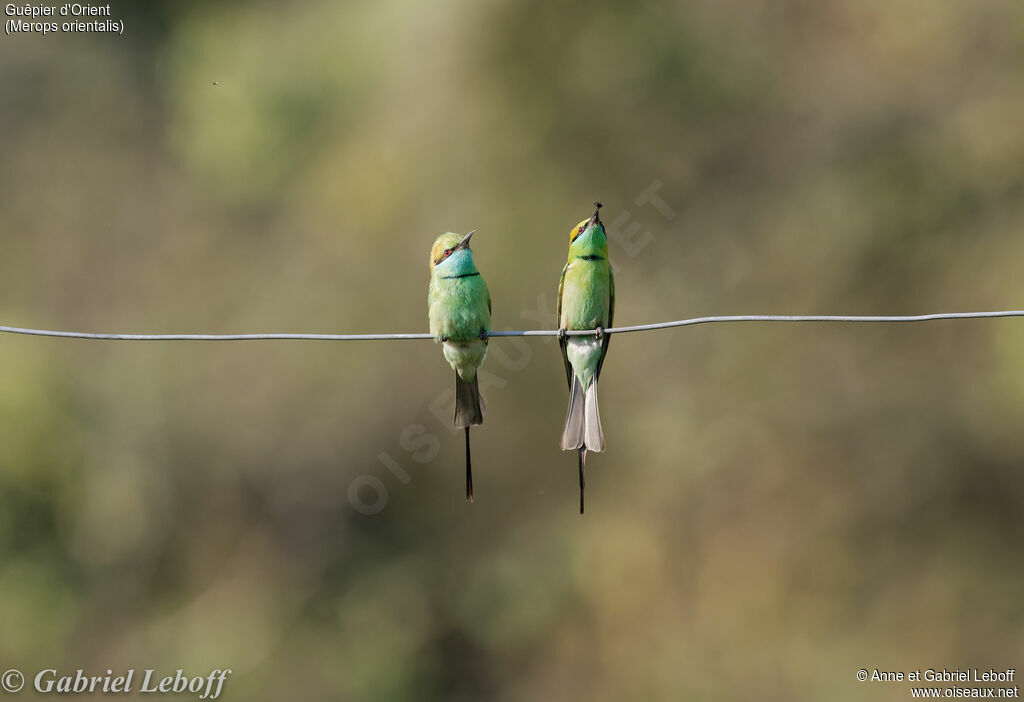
column 586, row 300
column 459, row 308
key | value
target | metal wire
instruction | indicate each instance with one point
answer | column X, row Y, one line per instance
column 534, row 332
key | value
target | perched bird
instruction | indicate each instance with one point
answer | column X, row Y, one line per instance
column 586, row 300
column 459, row 306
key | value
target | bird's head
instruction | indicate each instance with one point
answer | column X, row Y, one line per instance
column 592, row 223
column 447, row 245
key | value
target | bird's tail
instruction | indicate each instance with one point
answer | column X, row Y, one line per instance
column 469, row 408
column 583, row 420
column 572, row 433
column 469, row 470
column 594, row 434
column 582, row 454
column 469, row 411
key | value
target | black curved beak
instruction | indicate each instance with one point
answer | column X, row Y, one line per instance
column 464, row 244
column 596, row 218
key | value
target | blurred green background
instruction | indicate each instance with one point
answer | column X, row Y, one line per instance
column 779, row 505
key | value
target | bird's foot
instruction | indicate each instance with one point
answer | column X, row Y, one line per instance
column 483, row 335
column 443, row 339
column 599, row 333
column 561, row 334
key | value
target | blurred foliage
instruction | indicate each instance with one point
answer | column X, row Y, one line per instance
column 779, row 506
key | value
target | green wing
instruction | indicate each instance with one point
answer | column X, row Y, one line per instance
column 558, row 325
column 611, row 297
column 488, row 339
column 611, row 321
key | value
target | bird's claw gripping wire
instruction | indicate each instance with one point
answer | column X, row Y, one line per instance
column 483, row 335
column 561, row 334
column 599, row 333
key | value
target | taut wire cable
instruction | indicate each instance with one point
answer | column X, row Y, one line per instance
column 533, row 332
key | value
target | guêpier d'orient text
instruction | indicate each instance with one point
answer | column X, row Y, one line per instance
column 68, row 18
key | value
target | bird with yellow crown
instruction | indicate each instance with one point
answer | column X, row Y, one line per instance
column 459, row 308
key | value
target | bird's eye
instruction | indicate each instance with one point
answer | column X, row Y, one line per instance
column 447, row 253
column 580, row 230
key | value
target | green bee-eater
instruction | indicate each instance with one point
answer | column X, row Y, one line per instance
column 459, row 306
column 586, row 300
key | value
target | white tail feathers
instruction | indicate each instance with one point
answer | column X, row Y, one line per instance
column 572, row 434
column 593, row 435
column 583, row 421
